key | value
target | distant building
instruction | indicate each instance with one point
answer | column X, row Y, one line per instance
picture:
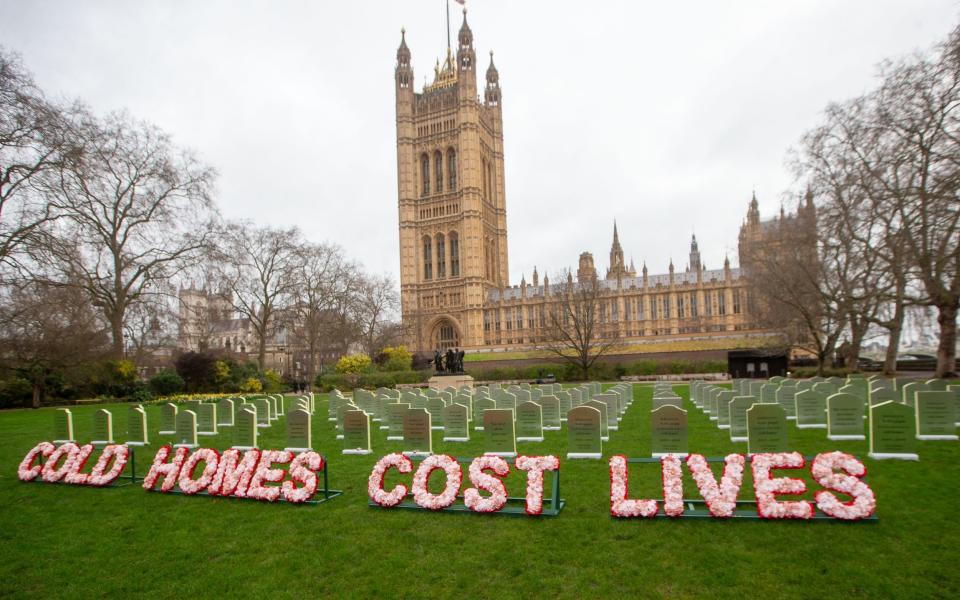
column 208, row 322
column 455, row 288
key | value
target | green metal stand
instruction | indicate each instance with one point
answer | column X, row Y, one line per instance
column 514, row 507
column 696, row 508
column 328, row 494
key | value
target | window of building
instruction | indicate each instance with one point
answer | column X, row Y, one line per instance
column 680, row 306
column 447, row 336
column 708, row 303
column 653, row 308
column 666, row 306
column 509, row 319
column 483, row 177
column 693, row 304
column 441, row 257
column 496, row 323
column 451, row 169
column 425, row 174
column 427, row 258
column 531, row 323
column 519, row 316
column 603, row 312
column 486, row 320
column 721, row 303
column 736, row 302
column 542, row 316
column 490, row 186
column 615, row 310
column 438, row 171
column 454, row 254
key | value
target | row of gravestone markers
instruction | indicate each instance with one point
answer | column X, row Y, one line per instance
column 505, row 416
column 896, row 417
column 137, row 435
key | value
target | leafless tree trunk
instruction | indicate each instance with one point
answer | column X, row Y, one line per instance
column 575, row 329
column 258, row 266
column 322, row 276
column 134, row 210
column 375, row 302
column 796, row 284
column 917, row 112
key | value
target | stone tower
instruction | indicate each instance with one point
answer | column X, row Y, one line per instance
column 618, row 268
column 695, row 264
column 451, row 200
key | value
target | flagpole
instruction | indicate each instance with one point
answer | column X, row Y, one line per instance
column 448, row 24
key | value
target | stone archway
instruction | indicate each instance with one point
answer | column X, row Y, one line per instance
column 444, row 334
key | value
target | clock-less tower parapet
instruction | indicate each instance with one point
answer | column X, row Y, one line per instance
column 451, row 197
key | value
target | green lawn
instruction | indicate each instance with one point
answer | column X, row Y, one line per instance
column 67, row 541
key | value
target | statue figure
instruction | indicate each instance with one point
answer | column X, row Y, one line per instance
column 450, row 360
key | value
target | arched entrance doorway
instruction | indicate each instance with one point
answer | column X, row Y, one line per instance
column 445, row 335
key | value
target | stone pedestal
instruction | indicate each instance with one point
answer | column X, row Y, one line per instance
column 439, row 382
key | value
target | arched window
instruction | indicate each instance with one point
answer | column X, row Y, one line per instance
column 441, row 257
column 427, row 257
column 492, row 192
column 454, row 254
column 451, row 169
column 438, row 171
column 483, row 164
column 446, row 335
column 425, row 173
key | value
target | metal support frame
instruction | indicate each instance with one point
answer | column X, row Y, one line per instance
column 515, row 506
column 695, row 508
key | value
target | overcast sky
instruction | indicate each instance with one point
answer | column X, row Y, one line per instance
column 663, row 115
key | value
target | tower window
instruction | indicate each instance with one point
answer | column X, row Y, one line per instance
column 425, row 173
column 427, row 258
column 438, row 171
column 736, row 302
column 493, row 193
column 483, row 175
column 452, row 169
column 454, row 255
column 441, row 257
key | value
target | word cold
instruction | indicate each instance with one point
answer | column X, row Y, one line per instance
column 64, row 464
column 833, row 471
column 236, row 474
column 486, row 474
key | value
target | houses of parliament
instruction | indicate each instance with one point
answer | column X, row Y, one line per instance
column 454, row 278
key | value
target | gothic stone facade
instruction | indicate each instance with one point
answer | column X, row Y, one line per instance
column 454, row 280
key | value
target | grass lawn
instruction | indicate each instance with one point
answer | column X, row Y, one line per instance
column 68, row 541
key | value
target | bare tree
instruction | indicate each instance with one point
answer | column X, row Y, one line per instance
column 918, row 114
column 797, row 288
column 45, row 329
column 149, row 327
column 375, row 303
column 258, row 266
column 33, row 141
column 322, row 278
column 849, row 227
column 577, row 329
column 135, row 210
